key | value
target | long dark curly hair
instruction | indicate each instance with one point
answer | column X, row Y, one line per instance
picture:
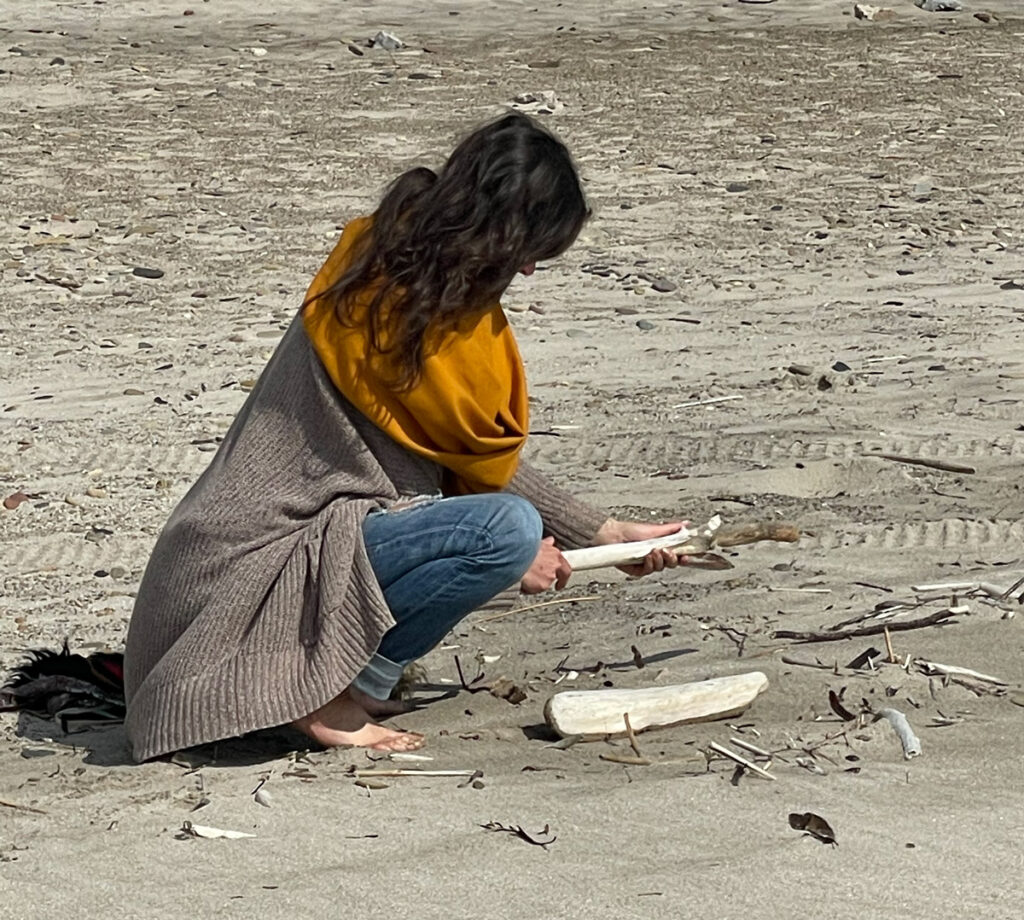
column 444, row 245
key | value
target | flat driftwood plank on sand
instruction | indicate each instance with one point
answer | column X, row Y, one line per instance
column 598, row 713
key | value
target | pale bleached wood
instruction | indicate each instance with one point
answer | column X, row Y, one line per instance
column 695, row 541
column 611, row 554
column 598, row 713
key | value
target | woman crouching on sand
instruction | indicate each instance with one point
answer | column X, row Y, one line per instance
column 369, row 494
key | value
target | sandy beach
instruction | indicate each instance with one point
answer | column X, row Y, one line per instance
column 800, row 298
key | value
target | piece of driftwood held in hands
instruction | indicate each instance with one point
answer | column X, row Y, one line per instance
column 694, row 542
column 599, row 713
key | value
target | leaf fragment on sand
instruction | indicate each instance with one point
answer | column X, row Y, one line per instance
column 814, row 825
column 838, row 708
column 188, row 829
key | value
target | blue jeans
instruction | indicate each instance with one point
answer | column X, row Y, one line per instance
column 437, row 561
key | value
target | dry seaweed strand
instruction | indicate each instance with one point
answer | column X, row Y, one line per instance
column 516, row 831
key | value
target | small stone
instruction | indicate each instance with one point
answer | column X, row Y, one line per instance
column 737, row 187
column 73, row 500
column 840, row 366
column 131, row 391
column 537, row 308
column 645, row 324
column 663, row 285
column 940, row 6
column 258, row 52
column 96, row 492
column 986, row 17
column 15, row 500
column 626, row 311
column 57, row 61
column 801, row 370
column 921, row 189
column 101, row 573
column 576, row 333
column 118, row 571
column 144, row 345
column 140, row 271
column 1012, row 286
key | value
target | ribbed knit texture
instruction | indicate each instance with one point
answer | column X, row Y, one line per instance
column 259, row 603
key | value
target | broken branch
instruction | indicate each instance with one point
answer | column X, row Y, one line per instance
column 872, row 630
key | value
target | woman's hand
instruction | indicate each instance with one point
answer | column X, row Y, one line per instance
column 613, row 531
column 549, row 569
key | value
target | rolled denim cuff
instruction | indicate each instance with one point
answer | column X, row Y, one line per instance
column 379, row 677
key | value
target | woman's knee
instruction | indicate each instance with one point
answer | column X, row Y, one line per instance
column 517, row 530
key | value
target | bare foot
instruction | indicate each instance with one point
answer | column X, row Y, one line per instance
column 344, row 721
column 379, row 709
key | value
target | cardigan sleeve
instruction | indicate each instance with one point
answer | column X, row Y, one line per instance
column 572, row 523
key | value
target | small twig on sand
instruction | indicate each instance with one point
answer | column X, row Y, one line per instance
column 742, row 761
column 17, row 807
column 561, row 600
column 752, row 748
column 632, row 737
column 923, row 461
column 399, row 771
column 888, row 646
column 711, row 400
column 872, row 630
column 799, row 662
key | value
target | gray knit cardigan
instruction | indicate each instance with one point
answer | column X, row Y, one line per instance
column 259, row 603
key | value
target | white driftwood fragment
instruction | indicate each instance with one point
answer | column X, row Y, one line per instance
column 973, row 587
column 211, row 833
column 597, row 557
column 693, row 542
column 910, row 742
column 598, row 713
column 950, row 670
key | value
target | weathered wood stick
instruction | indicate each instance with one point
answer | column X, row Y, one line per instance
column 924, row 461
column 971, row 587
column 398, row 771
column 950, row 670
column 686, row 541
column 742, row 761
column 598, row 713
column 872, row 630
column 900, row 725
column 596, row 557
